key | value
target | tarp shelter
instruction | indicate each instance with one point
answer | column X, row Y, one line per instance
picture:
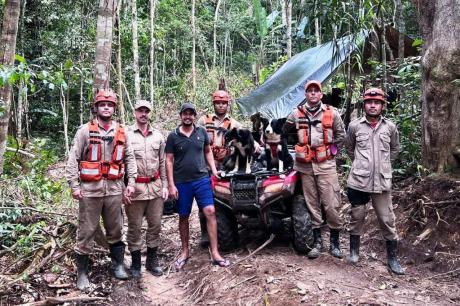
column 284, row 90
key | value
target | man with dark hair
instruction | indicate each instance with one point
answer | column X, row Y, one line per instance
column 187, row 152
column 372, row 142
column 151, row 190
column 320, row 133
column 94, row 171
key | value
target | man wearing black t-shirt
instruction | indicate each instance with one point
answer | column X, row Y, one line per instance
column 187, row 148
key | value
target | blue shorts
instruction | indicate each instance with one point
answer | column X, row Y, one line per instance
column 199, row 189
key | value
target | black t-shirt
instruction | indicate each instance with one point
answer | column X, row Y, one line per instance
column 189, row 162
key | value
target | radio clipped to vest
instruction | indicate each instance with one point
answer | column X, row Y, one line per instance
column 93, row 168
column 304, row 153
column 219, row 151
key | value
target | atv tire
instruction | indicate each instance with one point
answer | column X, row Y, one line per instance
column 301, row 223
column 227, row 229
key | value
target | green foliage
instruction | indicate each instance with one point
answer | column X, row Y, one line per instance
column 266, row 72
column 26, row 182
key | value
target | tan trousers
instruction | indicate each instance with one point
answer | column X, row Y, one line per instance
column 383, row 208
column 90, row 211
column 152, row 210
column 322, row 189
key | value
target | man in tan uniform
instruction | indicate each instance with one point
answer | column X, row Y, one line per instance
column 372, row 142
column 94, row 171
column 320, row 132
column 215, row 125
column 151, row 190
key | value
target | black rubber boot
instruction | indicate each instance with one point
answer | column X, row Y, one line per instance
column 334, row 247
column 82, row 271
column 136, row 264
column 151, row 264
column 393, row 263
column 204, row 241
column 354, row 249
column 117, row 253
column 315, row 252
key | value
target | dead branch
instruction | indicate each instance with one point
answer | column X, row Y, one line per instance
column 57, row 301
column 442, row 274
column 39, row 211
column 243, row 281
column 272, row 236
column 25, row 153
column 445, row 253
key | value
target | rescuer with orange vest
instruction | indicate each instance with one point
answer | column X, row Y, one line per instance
column 216, row 124
column 320, row 133
column 95, row 169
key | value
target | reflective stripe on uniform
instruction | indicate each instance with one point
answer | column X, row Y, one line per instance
column 89, row 171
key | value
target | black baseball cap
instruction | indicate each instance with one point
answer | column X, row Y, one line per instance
column 187, row 105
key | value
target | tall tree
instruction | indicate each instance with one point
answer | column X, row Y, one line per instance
column 105, row 21
column 193, row 50
column 216, row 16
column 288, row 8
column 7, row 51
column 440, row 83
column 137, row 79
column 120, row 104
column 153, row 4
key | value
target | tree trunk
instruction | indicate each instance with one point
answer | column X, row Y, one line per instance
column 137, row 79
column 120, row 104
column 153, row 4
column 20, row 110
column 193, row 51
column 288, row 9
column 440, row 89
column 400, row 26
column 216, row 15
column 317, row 26
column 105, row 20
column 11, row 12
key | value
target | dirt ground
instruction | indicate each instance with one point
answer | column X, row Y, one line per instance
column 428, row 224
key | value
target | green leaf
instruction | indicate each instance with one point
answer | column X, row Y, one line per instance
column 20, row 59
column 68, row 64
column 417, row 42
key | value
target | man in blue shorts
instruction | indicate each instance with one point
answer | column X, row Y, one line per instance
column 187, row 148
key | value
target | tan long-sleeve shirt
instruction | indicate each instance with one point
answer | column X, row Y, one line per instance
column 78, row 153
column 372, row 151
column 149, row 151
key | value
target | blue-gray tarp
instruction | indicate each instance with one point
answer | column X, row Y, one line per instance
column 284, row 90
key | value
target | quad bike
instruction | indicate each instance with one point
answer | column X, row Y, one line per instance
column 264, row 199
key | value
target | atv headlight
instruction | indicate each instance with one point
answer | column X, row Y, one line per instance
column 277, row 187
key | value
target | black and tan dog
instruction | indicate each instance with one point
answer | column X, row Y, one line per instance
column 241, row 144
column 270, row 133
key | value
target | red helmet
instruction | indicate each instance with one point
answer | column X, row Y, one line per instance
column 374, row 94
column 106, row 95
column 220, row 95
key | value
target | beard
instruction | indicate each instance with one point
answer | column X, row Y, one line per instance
column 187, row 123
column 104, row 117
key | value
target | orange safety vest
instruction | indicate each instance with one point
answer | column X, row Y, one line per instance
column 303, row 151
column 212, row 130
column 93, row 168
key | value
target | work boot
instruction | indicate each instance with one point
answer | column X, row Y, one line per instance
column 204, row 241
column 82, row 271
column 117, row 253
column 334, row 247
column 354, row 249
column 136, row 264
column 393, row 263
column 315, row 252
column 151, row 264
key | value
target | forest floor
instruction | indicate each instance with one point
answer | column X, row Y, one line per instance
column 428, row 224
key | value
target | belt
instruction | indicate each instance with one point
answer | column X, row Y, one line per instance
column 147, row 179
